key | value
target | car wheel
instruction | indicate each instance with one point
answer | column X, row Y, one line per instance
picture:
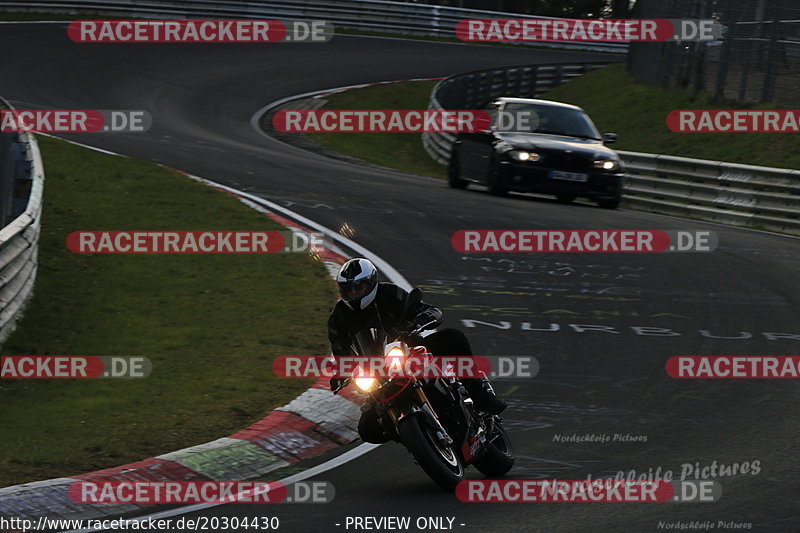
column 565, row 198
column 495, row 182
column 454, row 178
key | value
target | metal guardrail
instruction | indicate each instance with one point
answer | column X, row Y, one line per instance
column 19, row 239
column 727, row 193
column 474, row 90
column 364, row 15
column 715, row 191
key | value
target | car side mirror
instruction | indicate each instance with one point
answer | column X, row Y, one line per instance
column 609, row 138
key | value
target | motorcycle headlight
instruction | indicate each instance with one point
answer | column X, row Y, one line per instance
column 395, row 354
column 365, row 383
column 606, row 164
column 522, row 155
column 395, row 359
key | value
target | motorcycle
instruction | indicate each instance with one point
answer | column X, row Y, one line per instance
column 433, row 417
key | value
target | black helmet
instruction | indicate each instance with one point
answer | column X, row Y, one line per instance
column 358, row 283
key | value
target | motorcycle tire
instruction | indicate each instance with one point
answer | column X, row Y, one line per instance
column 499, row 456
column 443, row 465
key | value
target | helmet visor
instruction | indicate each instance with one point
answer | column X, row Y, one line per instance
column 354, row 290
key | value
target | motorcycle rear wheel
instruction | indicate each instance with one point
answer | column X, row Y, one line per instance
column 442, row 464
column 499, row 456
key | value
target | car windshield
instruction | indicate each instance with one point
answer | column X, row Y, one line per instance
column 539, row 118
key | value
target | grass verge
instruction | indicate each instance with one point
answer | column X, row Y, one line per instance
column 210, row 324
column 614, row 100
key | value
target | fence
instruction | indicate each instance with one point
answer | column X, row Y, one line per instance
column 363, row 15
column 758, row 59
column 727, row 193
column 21, row 187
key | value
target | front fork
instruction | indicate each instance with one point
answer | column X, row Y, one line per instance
column 424, row 408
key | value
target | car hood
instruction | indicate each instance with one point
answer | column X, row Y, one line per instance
column 550, row 143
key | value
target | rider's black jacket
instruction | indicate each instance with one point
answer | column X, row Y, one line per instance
column 384, row 314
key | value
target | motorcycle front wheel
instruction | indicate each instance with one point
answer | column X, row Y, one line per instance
column 441, row 463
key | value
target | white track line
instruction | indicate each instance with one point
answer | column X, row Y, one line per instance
column 96, row 149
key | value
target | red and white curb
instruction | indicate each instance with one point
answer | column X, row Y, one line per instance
column 311, row 424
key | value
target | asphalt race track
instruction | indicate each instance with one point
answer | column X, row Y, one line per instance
column 611, row 381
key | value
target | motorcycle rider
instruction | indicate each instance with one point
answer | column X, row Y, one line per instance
column 366, row 303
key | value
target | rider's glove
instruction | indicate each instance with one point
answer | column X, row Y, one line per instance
column 423, row 319
column 337, row 383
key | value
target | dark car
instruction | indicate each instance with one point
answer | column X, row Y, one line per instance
column 539, row 146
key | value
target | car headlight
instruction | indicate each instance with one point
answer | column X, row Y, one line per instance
column 521, row 155
column 606, row 164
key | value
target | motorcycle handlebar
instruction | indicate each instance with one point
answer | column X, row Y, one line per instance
column 420, row 329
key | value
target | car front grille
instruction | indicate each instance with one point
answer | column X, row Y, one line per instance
column 563, row 161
